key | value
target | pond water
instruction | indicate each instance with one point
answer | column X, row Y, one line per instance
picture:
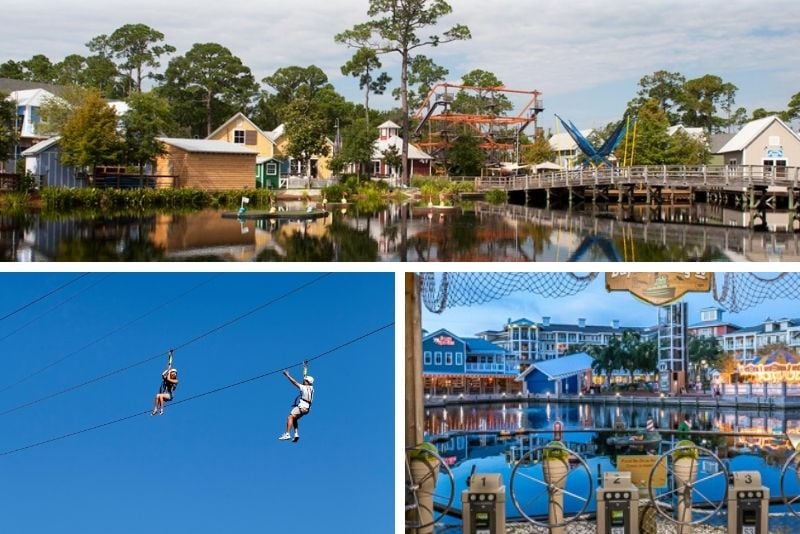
column 468, row 437
column 470, row 232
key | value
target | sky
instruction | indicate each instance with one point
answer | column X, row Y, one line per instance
column 585, row 56
column 597, row 306
column 213, row 464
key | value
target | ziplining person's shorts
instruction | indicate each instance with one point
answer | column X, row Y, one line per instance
column 299, row 412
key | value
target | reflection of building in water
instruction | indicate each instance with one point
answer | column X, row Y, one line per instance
column 203, row 233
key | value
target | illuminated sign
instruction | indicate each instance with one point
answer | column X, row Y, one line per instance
column 659, row 288
column 444, row 341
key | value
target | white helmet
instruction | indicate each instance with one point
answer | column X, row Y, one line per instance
column 309, row 379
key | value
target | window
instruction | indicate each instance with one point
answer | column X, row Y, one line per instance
column 427, row 359
column 448, row 358
column 376, row 168
column 238, row 136
column 437, row 358
column 272, row 169
column 459, row 358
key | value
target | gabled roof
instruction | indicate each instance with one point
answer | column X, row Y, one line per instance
column 523, row 322
column 719, row 140
column 389, row 124
column 206, row 145
column 393, row 140
column 563, row 367
column 30, row 97
column 241, row 115
column 9, row 85
column 562, row 142
column 696, row 133
column 277, row 133
column 41, row 146
column 751, row 131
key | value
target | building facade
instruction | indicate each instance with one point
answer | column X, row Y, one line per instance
column 453, row 365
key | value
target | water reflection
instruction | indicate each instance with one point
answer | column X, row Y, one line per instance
column 471, row 232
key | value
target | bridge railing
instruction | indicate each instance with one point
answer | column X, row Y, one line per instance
column 736, row 176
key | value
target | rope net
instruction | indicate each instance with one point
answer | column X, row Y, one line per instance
column 739, row 291
column 446, row 290
column 734, row 292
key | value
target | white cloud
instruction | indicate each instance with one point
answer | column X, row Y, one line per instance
column 567, row 50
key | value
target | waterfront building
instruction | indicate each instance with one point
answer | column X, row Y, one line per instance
column 746, row 342
column 566, row 148
column 317, row 166
column 769, row 142
column 568, row 375
column 28, row 98
column 461, row 365
column 205, row 164
column 389, row 139
column 240, row 130
column 43, row 160
column 711, row 324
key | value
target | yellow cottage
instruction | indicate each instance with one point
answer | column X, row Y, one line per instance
column 319, row 168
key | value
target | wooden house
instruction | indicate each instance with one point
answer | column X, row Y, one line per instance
column 240, row 130
column 206, row 164
column 43, row 160
column 389, row 139
column 268, row 172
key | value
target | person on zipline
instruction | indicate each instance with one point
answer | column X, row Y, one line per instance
column 169, row 381
column 301, row 407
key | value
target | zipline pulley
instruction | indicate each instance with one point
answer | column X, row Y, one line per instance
column 305, row 368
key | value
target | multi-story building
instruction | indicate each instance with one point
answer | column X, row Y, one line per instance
column 711, row 324
column 455, row 365
column 528, row 341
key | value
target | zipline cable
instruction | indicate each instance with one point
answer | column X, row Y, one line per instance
column 200, row 395
column 66, row 300
column 34, row 301
column 108, row 334
column 161, row 354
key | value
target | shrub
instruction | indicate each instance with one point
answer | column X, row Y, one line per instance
column 496, row 196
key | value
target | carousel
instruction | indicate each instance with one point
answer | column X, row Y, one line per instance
column 777, row 366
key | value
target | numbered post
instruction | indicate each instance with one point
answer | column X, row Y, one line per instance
column 748, row 504
column 617, row 505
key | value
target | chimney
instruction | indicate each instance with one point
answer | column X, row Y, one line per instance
column 545, row 321
column 582, row 322
column 615, row 324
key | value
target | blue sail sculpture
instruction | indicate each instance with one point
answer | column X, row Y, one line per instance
column 598, row 156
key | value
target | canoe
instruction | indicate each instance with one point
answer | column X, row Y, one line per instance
column 293, row 215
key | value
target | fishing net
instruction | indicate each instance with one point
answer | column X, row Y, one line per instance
column 739, row 291
column 446, row 290
column 734, row 292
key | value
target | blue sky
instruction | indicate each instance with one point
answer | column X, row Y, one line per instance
column 213, row 464
column 585, row 56
column 596, row 305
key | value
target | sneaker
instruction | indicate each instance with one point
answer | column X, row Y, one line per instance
column 154, row 412
column 161, row 412
column 295, row 439
column 285, row 436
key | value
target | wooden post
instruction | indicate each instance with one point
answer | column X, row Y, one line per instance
column 413, row 363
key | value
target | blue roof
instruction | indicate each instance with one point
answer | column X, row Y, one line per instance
column 476, row 344
column 523, row 322
column 561, row 367
column 702, row 324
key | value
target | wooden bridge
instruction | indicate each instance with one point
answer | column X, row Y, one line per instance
column 750, row 184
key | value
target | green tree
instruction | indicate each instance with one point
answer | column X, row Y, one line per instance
column 209, row 75
column 39, row 68
column 793, row 109
column 56, row 111
column 392, row 157
column 138, row 47
column 148, row 117
column 358, row 146
column 666, row 88
column 89, row 137
column 482, row 100
column 12, row 69
column 607, row 358
column 652, row 139
column 701, row 99
column 422, row 76
column 8, row 131
column 465, row 156
column 704, row 350
column 305, row 131
column 538, row 151
column 362, row 65
column 394, row 27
